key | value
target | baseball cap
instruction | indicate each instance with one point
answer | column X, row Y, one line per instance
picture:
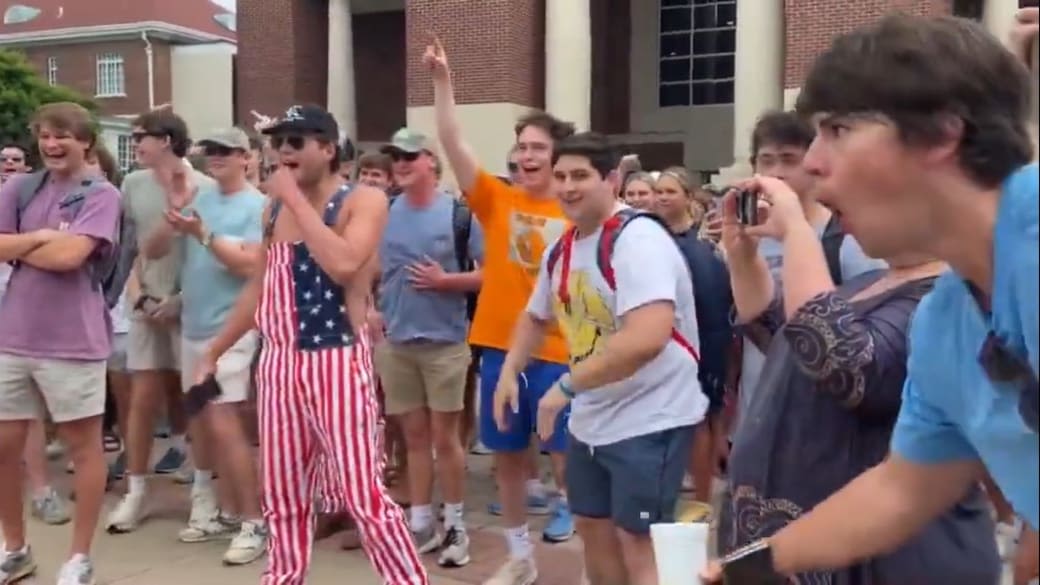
column 407, row 140
column 229, row 137
column 306, row 119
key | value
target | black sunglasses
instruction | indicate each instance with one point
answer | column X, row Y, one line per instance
column 218, row 150
column 139, row 136
column 399, row 155
column 295, row 141
column 1004, row 366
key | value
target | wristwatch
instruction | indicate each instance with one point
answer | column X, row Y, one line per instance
column 751, row 565
column 564, row 383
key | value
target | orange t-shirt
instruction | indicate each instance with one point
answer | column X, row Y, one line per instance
column 518, row 228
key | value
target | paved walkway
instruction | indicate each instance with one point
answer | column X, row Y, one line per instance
column 153, row 556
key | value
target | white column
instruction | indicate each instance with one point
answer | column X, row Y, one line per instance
column 568, row 61
column 759, row 72
column 341, row 97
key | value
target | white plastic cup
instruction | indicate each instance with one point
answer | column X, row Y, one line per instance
column 680, row 551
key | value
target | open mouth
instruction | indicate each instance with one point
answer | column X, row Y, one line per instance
column 291, row 165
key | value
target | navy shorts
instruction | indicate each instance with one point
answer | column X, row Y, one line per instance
column 534, row 382
column 634, row 482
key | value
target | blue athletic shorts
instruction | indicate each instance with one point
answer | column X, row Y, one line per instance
column 534, row 382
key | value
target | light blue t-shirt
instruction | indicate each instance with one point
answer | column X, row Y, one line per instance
column 951, row 410
column 208, row 288
column 411, row 235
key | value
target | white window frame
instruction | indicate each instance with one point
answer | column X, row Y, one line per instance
column 52, row 70
column 111, row 77
column 124, row 151
column 691, row 81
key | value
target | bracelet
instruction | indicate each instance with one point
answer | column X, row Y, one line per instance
column 564, row 383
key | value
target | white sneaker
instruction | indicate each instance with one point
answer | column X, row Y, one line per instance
column 204, row 522
column 127, row 515
column 455, row 548
column 248, row 545
column 515, row 572
column 55, row 449
column 77, row 571
column 15, row 565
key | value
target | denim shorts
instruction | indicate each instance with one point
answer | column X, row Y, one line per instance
column 634, row 482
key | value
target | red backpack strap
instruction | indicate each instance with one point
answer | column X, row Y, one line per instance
column 561, row 251
column 608, row 239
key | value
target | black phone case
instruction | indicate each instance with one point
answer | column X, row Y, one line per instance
column 199, row 395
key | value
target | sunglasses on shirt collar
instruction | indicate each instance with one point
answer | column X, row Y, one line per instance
column 1005, row 367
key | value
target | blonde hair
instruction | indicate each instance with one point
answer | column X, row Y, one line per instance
column 641, row 176
column 699, row 199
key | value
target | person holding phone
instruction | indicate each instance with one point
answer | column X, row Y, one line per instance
column 946, row 174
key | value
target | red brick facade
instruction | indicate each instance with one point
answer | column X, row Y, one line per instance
column 811, row 24
column 77, row 69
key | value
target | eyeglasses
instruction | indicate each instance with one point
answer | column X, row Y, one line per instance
column 12, row 159
column 218, row 150
column 1005, row 367
column 137, row 137
column 295, row 141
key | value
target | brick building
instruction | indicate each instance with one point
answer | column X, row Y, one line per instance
column 678, row 81
column 131, row 55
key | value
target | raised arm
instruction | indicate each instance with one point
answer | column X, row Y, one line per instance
column 462, row 160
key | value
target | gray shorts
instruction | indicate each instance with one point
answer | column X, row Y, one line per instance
column 69, row 390
column 634, row 482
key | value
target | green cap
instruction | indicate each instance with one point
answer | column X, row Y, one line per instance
column 406, row 140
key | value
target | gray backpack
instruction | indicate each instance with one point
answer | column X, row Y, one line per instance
column 109, row 272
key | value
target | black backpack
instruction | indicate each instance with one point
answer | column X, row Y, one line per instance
column 109, row 272
column 461, row 222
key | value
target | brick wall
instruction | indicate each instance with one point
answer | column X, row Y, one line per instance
column 496, row 49
column 77, row 69
column 282, row 55
column 811, row 24
column 379, row 74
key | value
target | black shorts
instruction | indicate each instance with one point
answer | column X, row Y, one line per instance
column 634, row 482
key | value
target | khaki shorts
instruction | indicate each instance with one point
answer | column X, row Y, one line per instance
column 233, row 368
column 70, row 390
column 423, row 375
column 151, row 347
column 117, row 361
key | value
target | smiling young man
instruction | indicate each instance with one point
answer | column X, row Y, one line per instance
column 618, row 286
column 218, row 231
column 153, row 344
column 55, row 332
column 519, row 221
column 923, row 146
column 309, row 296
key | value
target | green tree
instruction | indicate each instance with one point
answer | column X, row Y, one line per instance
column 22, row 90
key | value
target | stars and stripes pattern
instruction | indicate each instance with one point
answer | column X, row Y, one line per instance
column 320, row 403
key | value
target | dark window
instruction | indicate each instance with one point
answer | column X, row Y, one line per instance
column 697, row 43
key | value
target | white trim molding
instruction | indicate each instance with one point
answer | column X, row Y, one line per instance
column 154, row 28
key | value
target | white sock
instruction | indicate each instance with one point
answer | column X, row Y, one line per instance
column 136, row 485
column 77, row 559
column 453, row 516
column 203, row 480
column 178, row 442
column 519, row 541
column 535, row 488
column 23, row 550
column 421, row 517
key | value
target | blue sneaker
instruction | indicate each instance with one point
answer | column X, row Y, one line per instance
column 560, row 527
column 170, row 462
column 536, row 506
column 117, row 470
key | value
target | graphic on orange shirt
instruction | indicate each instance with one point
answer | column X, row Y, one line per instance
column 587, row 321
column 530, row 236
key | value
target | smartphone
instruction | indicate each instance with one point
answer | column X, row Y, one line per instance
column 200, row 395
column 747, row 207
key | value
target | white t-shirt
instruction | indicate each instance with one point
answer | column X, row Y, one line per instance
column 5, row 275
column 120, row 316
column 648, row 267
